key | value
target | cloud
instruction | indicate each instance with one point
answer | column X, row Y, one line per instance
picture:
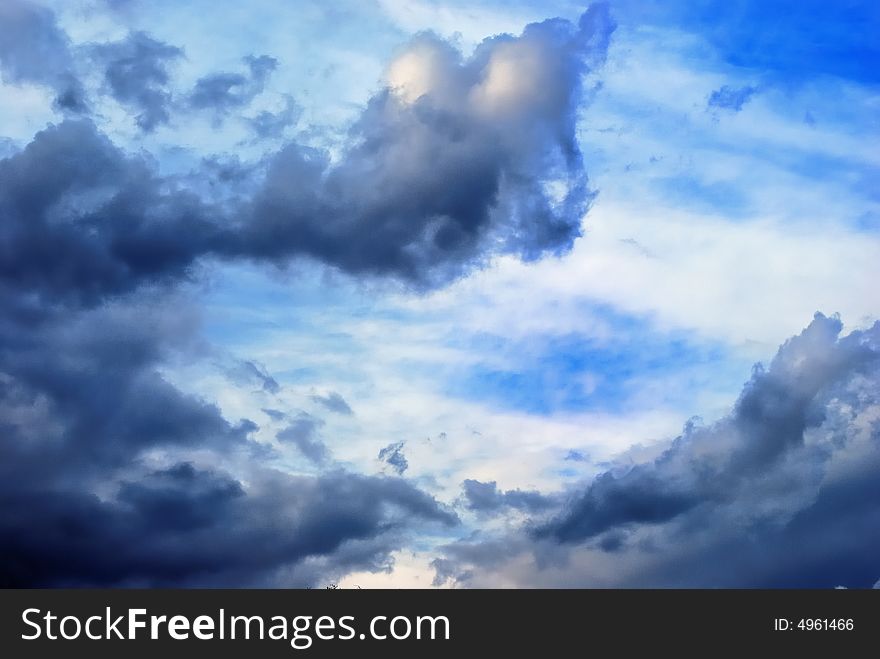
column 455, row 160
column 302, row 432
column 34, row 49
column 782, row 492
column 136, row 72
column 271, row 125
column 247, row 372
column 393, row 456
column 82, row 221
column 225, row 92
column 333, row 402
column 710, row 464
column 82, row 391
column 275, row 415
column 190, row 526
column 731, row 98
column 487, row 498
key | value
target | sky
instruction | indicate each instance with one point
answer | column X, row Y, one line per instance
column 460, row 294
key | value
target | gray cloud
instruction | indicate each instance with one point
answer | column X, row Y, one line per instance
column 83, row 222
column 223, row 92
column 91, row 380
column 454, row 161
column 189, row 526
column 782, row 492
column 34, row 49
column 333, row 402
column 709, row 465
column 275, row 415
column 426, row 189
column 271, row 125
column 248, row 372
column 487, row 498
column 136, row 72
column 302, row 431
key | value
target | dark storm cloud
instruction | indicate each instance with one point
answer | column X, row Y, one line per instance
column 81, row 393
column 224, row 92
column 641, row 498
column 487, row 498
column 731, row 98
column 782, row 492
column 393, row 456
column 82, row 221
column 302, row 432
column 136, row 72
column 34, row 49
column 333, row 402
column 189, row 526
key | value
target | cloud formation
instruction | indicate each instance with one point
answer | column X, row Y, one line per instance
column 487, row 498
column 136, row 72
column 782, row 492
column 104, row 477
column 112, row 475
column 83, row 221
column 333, row 402
column 271, row 125
column 455, row 160
column 222, row 93
column 188, row 526
column 94, row 242
column 482, row 161
column 34, row 49
column 712, row 464
column 302, row 431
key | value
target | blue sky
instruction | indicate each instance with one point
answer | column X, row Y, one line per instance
column 497, row 244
